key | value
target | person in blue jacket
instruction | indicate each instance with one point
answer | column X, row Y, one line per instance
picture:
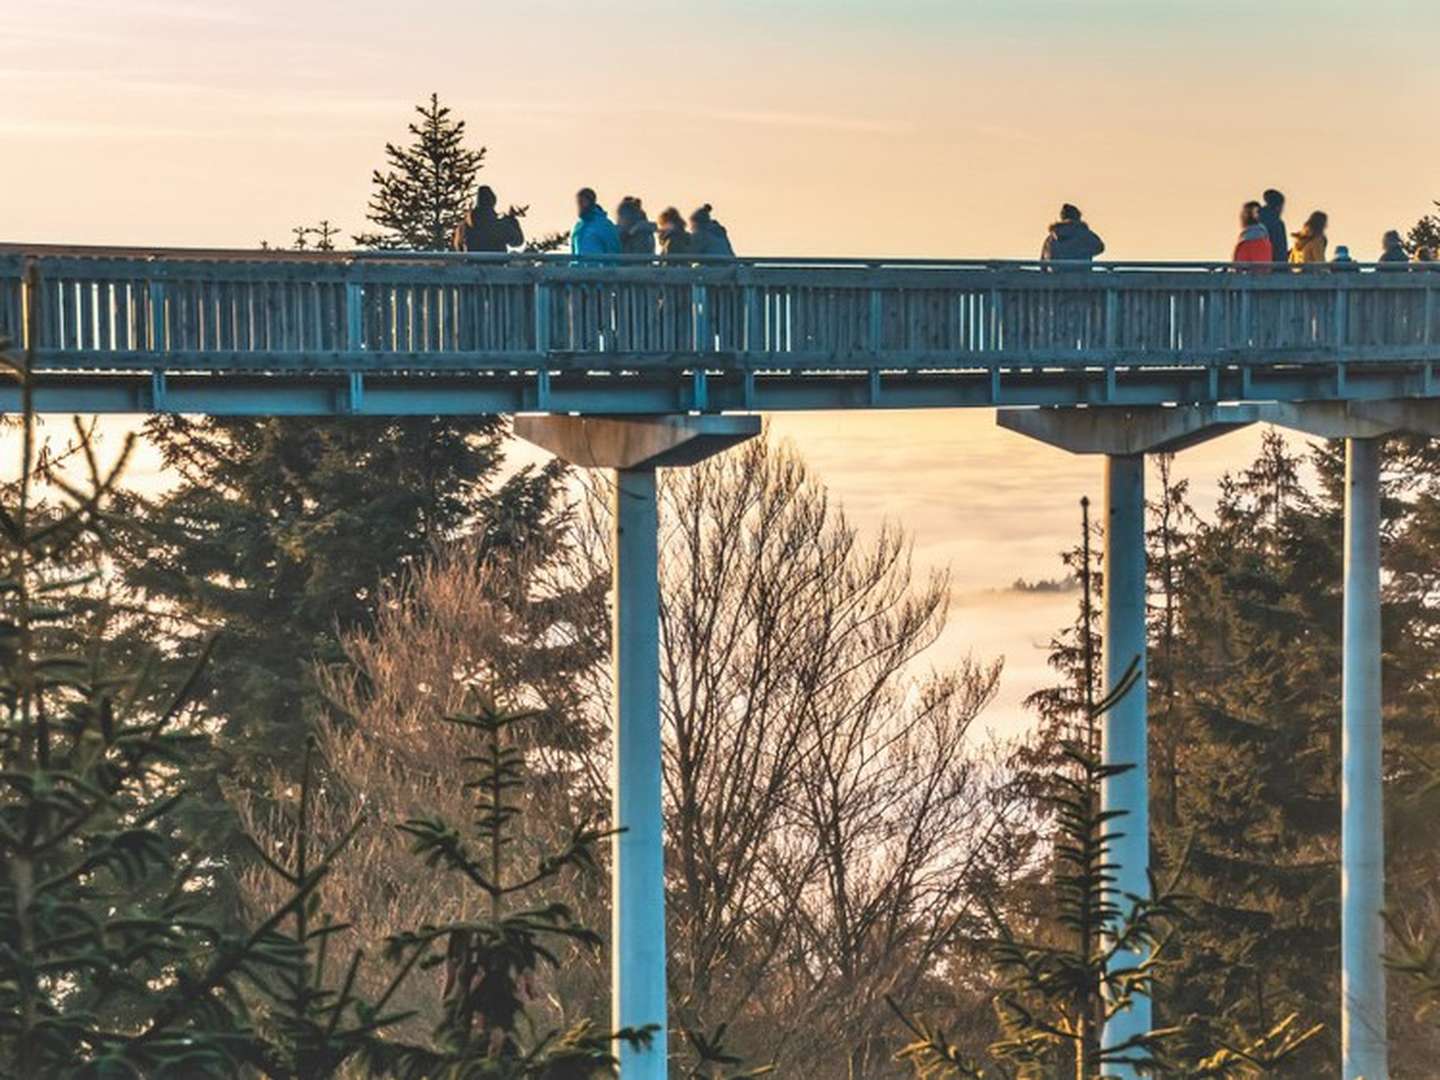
column 594, row 233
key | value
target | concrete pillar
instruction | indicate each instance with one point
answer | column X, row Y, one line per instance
column 637, row 935
column 634, row 448
column 1362, row 843
column 1125, row 435
column 1124, row 728
column 1362, row 424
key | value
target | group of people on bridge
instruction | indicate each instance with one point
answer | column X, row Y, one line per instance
column 1263, row 238
column 631, row 233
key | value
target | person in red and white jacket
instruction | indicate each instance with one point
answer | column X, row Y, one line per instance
column 1254, row 245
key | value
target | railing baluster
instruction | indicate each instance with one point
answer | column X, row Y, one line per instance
column 542, row 317
column 699, row 304
column 354, row 317
column 159, row 340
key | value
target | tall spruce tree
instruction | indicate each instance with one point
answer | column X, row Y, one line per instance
column 1245, row 699
column 428, row 186
column 278, row 531
column 1250, row 713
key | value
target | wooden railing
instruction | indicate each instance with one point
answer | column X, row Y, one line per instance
column 99, row 309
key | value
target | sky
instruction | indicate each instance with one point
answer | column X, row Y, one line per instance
column 814, row 127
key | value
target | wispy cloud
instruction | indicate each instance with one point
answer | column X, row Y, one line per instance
column 168, row 10
column 807, row 121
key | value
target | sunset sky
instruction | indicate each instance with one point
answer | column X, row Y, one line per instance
column 820, row 127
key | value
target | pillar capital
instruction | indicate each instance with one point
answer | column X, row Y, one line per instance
column 636, row 442
column 1122, row 430
column 1357, row 419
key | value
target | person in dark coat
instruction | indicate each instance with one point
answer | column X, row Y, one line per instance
column 1274, row 206
column 1070, row 239
column 485, row 230
column 637, row 231
column 1393, row 250
column 675, row 239
column 708, row 236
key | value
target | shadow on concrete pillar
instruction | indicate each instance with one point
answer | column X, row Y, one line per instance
column 1124, row 730
column 1362, row 830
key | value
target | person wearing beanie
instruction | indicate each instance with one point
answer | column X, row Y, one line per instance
column 637, row 231
column 708, row 236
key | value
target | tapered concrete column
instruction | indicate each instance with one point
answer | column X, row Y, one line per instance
column 1124, row 728
column 637, row 922
column 1362, row 842
column 634, row 448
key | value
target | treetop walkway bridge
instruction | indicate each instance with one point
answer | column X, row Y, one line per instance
column 636, row 364
column 119, row 330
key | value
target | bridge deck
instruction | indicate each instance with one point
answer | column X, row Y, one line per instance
column 248, row 332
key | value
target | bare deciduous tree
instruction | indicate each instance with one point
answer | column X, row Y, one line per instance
column 828, row 808
column 456, row 625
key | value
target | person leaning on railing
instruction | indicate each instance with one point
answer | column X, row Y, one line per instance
column 708, row 236
column 1253, row 245
column 1070, row 239
column 485, row 230
column 1309, row 245
column 675, row 239
column 594, row 233
column 637, row 231
column 1393, row 255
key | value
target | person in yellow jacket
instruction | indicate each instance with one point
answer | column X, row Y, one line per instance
column 1309, row 245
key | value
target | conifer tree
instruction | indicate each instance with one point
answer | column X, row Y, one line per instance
column 280, row 530
column 428, row 186
column 109, row 964
column 1061, row 984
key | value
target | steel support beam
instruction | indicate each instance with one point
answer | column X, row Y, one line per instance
column 1362, row 844
column 1124, row 729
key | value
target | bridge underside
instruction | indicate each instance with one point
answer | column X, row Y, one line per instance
column 668, row 390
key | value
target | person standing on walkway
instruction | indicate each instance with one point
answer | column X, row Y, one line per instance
column 1392, row 249
column 485, row 230
column 1070, row 239
column 1253, row 244
column 1309, row 246
column 675, row 239
column 594, row 233
column 1274, row 206
column 637, row 231
column 708, row 236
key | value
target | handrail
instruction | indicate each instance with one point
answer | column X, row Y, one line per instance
column 199, row 311
column 262, row 255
